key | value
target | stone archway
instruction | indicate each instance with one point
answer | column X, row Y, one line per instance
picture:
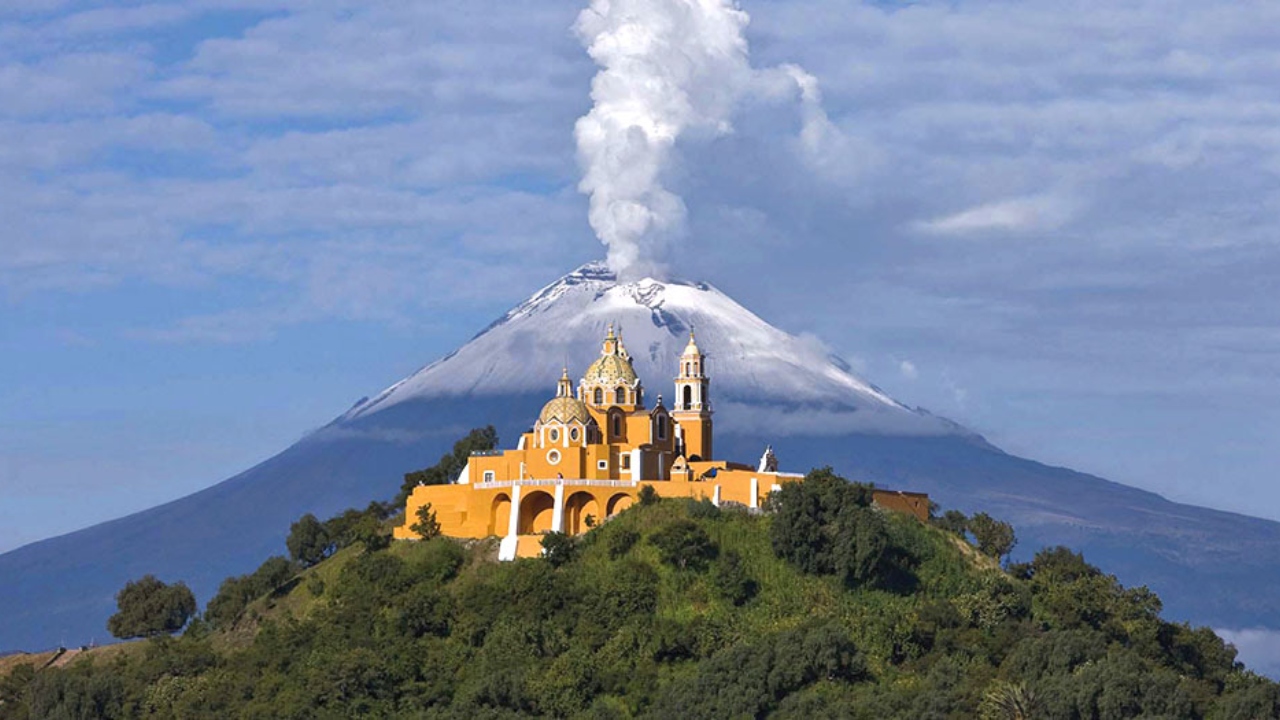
column 618, row 503
column 537, row 509
column 576, row 509
column 500, row 514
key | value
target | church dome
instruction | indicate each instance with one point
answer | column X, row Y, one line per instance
column 611, row 370
column 565, row 410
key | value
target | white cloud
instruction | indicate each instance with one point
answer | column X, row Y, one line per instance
column 1015, row 215
column 908, row 370
column 1259, row 649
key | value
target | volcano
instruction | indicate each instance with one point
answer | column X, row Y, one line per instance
column 768, row 388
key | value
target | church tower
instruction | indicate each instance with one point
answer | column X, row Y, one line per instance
column 692, row 411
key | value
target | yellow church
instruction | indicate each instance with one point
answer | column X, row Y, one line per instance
column 592, row 450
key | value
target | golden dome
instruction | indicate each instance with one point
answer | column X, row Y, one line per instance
column 565, row 410
column 611, row 371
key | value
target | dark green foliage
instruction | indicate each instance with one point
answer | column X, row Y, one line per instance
column 615, row 628
column 749, row 679
column 995, row 538
column 953, row 521
column 648, row 496
column 620, row 540
column 825, row 525
column 427, row 527
column 451, row 464
column 149, row 607
column 558, row 548
column 730, row 579
column 235, row 593
column 309, row 541
column 685, row 545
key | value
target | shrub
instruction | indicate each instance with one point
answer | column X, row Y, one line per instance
column 730, row 579
column 620, row 541
column 558, row 548
column 685, row 545
column 427, row 526
column 648, row 496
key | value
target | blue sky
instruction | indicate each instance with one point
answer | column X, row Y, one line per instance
column 224, row 221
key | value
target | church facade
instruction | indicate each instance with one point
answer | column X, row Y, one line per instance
column 591, row 451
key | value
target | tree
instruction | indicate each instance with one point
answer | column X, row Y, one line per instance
column 558, row 548
column 451, row 464
column 1009, row 701
column 149, row 607
column 826, row 525
column 309, row 541
column 235, row 593
column 995, row 538
column 953, row 521
column 427, row 526
column 684, row 545
column 648, row 495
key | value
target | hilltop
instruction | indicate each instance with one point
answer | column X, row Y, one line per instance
column 675, row 608
column 770, row 387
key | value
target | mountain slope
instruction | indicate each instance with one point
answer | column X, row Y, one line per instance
column 767, row 386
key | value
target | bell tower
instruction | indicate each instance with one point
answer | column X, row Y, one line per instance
column 692, row 404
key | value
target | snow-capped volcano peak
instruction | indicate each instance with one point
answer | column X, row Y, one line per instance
column 752, row 364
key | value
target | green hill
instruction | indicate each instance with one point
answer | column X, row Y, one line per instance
column 823, row 608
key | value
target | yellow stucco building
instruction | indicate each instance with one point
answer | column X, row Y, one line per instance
column 591, row 451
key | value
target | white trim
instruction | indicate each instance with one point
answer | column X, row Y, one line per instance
column 548, row 482
column 557, row 513
column 636, row 462
column 465, row 476
column 553, row 456
column 489, row 476
column 755, row 493
column 715, row 496
column 513, row 523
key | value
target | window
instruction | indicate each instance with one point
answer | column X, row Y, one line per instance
column 688, row 397
column 617, row 426
column 603, row 465
column 662, row 427
column 554, row 435
column 488, row 476
column 598, row 396
column 619, row 396
column 553, row 457
column 573, row 434
column 626, row 461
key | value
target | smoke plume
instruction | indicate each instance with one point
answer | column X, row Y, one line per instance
column 668, row 69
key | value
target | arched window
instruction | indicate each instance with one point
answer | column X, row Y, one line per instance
column 662, row 427
column 688, row 397
column 620, row 396
column 598, row 396
column 617, row 426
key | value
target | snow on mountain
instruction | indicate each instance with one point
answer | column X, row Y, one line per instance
column 751, row 363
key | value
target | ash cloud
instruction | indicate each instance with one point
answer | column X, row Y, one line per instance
column 669, row 70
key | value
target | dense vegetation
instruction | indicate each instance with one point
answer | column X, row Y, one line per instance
column 821, row 607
